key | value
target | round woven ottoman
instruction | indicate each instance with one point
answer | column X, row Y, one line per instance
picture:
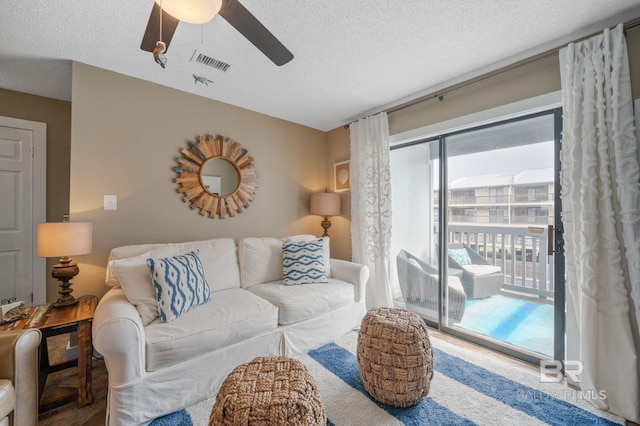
column 395, row 359
column 274, row 390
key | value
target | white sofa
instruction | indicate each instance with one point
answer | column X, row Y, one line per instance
column 156, row 367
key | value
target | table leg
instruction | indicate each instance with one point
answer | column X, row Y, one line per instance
column 43, row 366
column 85, row 352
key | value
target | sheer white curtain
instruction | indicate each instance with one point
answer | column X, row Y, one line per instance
column 601, row 217
column 371, row 204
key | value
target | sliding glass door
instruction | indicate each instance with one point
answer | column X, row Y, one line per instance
column 473, row 227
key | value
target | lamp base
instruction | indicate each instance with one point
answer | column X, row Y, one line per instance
column 326, row 224
column 64, row 271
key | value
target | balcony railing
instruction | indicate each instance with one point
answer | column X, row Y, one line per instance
column 517, row 219
column 500, row 199
column 521, row 252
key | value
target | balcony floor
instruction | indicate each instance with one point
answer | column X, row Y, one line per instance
column 520, row 321
column 526, row 323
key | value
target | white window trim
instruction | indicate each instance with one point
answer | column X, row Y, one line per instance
column 504, row 112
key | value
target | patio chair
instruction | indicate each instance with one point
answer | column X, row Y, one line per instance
column 419, row 287
column 479, row 278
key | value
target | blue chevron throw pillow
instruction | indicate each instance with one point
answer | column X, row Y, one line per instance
column 303, row 263
column 179, row 284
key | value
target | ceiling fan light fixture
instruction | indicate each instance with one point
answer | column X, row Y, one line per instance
column 191, row 11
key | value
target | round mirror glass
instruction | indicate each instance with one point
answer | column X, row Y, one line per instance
column 219, row 177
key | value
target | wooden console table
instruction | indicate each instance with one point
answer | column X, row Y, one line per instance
column 52, row 322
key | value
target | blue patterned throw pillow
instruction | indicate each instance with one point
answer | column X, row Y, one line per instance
column 460, row 255
column 303, row 262
column 179, row 284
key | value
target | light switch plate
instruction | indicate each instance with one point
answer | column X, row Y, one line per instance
column 110, row 202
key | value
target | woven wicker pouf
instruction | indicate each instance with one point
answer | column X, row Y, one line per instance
column 274, row 390
column 395, row 358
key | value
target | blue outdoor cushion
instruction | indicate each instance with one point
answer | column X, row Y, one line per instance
column 460, row 255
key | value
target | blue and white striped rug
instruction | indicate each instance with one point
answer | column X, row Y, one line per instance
column 468, row 388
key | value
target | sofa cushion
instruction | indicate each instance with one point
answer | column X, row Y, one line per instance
column 260, row 258
column 232, row 316
column 303, row 262
column 126, row 252
column 219, row 260
column 179, row 284
column 132, row 274
column 301, row 302
column 218, row 257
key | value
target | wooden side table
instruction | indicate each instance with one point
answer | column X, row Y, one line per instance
column 52, row 322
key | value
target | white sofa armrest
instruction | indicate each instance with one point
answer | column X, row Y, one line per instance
column 353, row 273
column 118, row 335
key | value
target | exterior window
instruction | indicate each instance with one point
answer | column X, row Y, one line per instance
column 496, row 195
column 496, row 215
column 470, row 215
column 536, row 193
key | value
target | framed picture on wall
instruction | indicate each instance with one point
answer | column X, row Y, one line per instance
column 341, row 176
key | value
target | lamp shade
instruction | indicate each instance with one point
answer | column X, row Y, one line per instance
column 191, row 11
column 57, row 239
column 325, row 204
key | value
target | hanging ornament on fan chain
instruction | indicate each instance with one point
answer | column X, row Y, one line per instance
column 158, row 53
column 161, row 47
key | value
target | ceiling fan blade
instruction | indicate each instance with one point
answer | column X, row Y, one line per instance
column 247, row 25
column 152, row 33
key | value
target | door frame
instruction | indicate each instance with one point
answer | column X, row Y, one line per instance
column 38, row 201
column 559, row 325
column 549, row 103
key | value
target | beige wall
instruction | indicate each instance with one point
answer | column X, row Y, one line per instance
column 527, row 82
column 57, row 116
column 338, row 150
column 633, row 48
column 125, row 138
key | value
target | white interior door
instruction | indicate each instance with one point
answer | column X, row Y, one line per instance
column 22, row 206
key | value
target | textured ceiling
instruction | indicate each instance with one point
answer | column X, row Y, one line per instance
column 352, row 57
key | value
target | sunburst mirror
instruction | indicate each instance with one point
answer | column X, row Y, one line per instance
column 216, row 175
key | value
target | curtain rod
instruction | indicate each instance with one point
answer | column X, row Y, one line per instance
column 487, row 76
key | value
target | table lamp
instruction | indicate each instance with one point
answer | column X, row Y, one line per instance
column 325, row 204
column 64, row 239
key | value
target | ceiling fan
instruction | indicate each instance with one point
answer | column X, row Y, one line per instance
column 233, row 12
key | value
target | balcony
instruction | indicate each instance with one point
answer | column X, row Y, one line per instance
column 521, row 252
column 521, row 312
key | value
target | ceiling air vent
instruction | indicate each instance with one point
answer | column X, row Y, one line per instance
column 209, row 61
